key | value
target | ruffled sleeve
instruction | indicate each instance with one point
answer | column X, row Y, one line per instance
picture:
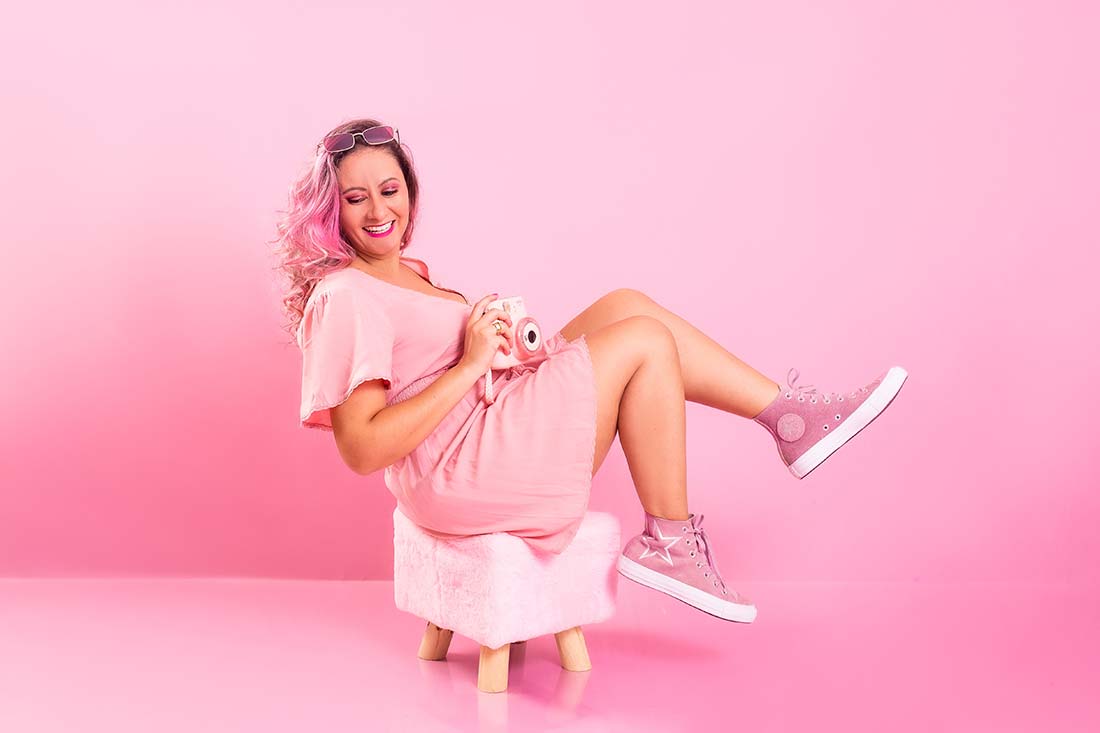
column 346, row 339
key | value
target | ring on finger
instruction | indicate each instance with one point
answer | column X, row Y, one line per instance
column 499, row 326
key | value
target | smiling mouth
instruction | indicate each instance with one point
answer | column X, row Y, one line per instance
column 380, row 229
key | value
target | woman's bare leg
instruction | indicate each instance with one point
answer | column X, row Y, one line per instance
column 712, row 376
column 640, row 394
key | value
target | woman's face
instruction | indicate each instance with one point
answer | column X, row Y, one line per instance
column 372, row 195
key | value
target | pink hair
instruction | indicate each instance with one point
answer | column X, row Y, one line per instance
column 310, row 243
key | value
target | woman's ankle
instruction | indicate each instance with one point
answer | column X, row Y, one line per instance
column 770, row 397
column 670, row 515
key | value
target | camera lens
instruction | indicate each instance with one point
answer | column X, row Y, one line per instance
column 530, row 335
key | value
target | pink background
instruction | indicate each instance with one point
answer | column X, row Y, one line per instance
column 838, row 190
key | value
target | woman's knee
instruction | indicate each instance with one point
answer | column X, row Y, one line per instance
column 627, row 302
column 651, row 335
column 623, row 346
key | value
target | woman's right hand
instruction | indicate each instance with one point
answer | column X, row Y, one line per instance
column 482, row 339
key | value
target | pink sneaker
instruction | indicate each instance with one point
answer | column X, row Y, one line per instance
column 808, row 426
column 674, row 557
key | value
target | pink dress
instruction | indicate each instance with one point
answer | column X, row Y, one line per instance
column 522, row 465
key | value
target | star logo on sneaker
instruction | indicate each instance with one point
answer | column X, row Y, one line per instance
column 658, row 546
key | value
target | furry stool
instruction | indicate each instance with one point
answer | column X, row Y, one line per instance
column 496, row 590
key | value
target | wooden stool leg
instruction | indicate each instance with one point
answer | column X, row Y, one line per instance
column 572, row 650
column 516, row 657
column 435, row 643
column 492, row 669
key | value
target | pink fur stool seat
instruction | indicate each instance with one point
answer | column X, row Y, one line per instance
column 496, row 590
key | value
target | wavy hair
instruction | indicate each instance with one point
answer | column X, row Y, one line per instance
column 310, row 243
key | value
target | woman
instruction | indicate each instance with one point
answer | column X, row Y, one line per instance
column 393, row 363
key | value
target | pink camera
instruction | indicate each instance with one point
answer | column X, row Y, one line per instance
column 526, row 341
column 526, row 335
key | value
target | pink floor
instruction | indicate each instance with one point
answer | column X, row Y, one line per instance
column 256, row 655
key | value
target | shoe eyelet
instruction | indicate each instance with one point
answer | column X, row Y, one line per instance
column 692, row 554
column 839, row 399
column 826, row 427
column 698, row 564
column 826, row 402
column 813, row 402
column 801, row 399
column 788, row 395
column 683, row 529
column 706, row 575
column 716, row 584
column 724, row 592
column 838, row 417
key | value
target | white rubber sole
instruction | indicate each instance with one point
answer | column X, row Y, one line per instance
column 871, row 408
column 728, row 610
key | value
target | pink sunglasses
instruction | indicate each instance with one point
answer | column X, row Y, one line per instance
column 378, row 135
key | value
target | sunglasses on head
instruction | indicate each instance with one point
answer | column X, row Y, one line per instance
column 378, row 135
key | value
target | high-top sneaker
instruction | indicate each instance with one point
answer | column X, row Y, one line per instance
column 809, row 426
column 675, row 557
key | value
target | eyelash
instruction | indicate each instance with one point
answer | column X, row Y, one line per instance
column 384, row 193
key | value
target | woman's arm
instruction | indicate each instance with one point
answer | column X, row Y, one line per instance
column 371, row 436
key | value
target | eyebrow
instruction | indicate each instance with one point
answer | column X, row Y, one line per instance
column 360, row 188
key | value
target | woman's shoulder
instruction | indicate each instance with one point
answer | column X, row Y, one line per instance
column 345, row 283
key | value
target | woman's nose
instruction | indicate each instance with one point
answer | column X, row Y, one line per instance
column 377, row 209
